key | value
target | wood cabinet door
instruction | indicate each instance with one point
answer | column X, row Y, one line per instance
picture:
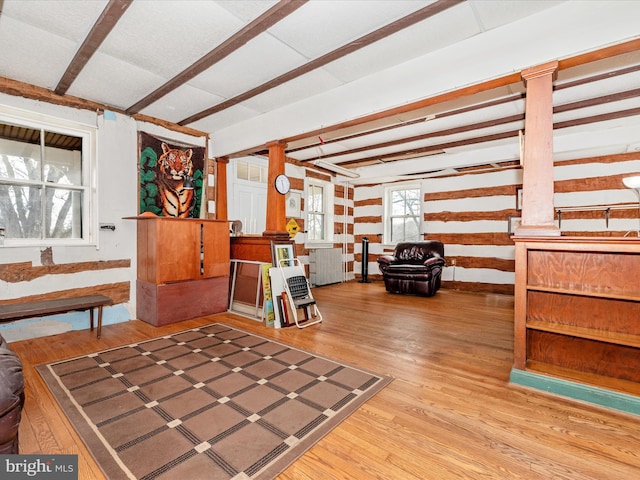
column 177, row 251
column 216, row 252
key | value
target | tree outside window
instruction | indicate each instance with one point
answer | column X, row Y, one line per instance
column 316, row 212
column 404, row 215
column 42, row 195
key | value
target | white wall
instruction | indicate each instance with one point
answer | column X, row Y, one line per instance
column 117, row 196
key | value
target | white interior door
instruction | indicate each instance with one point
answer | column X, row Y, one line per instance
column 250, row 207
column 247, row 193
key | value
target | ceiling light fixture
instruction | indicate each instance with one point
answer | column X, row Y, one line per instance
column 336, row 168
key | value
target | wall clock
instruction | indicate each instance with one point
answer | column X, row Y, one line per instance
column 283, row 184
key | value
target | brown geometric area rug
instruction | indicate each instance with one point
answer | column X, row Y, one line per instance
column 213, row 402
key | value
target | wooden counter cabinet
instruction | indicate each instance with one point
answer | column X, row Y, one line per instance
column 577, row 310
column 183, row 268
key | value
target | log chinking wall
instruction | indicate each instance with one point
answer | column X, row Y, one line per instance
column 469, row 213
column 343, row 229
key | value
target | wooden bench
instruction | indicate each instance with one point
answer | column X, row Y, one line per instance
column 16, row 311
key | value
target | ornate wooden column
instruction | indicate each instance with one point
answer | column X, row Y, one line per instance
column 221, row 188
column 276, row 217
column 537, row 177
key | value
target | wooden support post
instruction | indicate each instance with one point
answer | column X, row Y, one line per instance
column 537, row 177
column 221, row 188
column 276, row 207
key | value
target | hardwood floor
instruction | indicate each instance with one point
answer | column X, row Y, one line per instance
column 450, row 412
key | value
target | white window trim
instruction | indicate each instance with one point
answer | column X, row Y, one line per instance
column 89, row 135
column 386, row 239
column 329, row 202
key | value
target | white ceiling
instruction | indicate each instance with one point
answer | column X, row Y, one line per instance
column 462, row 43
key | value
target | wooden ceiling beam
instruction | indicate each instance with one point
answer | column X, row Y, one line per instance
column 103, row 26
column 33, row 92
column 416, row 152
column 512, row 78
column 394, row 27
column 492, row 103
column 424, row 136
column 614, row 97
column 260, row 25
column 600, row 54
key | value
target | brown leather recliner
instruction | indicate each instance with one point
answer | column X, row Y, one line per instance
column 414, row 267
column 11, row 398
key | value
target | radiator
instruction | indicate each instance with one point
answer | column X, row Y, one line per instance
column 325, row 266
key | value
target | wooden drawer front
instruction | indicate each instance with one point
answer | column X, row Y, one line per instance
column 616, row 273
column 175, row 302
column 604, row 314
column 583, row 355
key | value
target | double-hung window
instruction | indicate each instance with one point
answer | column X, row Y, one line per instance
column 319, row 207
column 45, row 180
column 402, row 214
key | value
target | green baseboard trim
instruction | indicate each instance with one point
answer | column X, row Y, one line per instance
column 586, row 393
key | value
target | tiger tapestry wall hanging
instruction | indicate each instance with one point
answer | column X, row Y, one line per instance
column 171, row 177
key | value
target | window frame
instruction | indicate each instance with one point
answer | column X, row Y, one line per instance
column 386, row 218
column 328, row 211
column 88, row 187
column 260, row 167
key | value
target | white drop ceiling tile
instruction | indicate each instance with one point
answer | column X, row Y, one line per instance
column 318, row 151
column 494, row 13
column 628, row 104
column 319, row 27
column 594, row 68
column 515, row 107
column 427, row 36
column 600, row 88
column 111, row 81
column 369, row 155
column 300, row 88
column 511, row 128
column 444, row 123
column 493, row 113
column 433, row 142
column 475, row 148
column 220, row 121
column 481, row 98
column 246, row 10
column 386, row 136
column 181, row 103
column 31, row 55
column 620, row 131
column 381, row 137
column 259, row 61
column 424, row 144
column 341, row 147
column 430, row 126
column 165, row 37
column 70, row 19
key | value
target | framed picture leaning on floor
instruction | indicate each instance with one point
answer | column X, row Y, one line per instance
column 282, row 254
